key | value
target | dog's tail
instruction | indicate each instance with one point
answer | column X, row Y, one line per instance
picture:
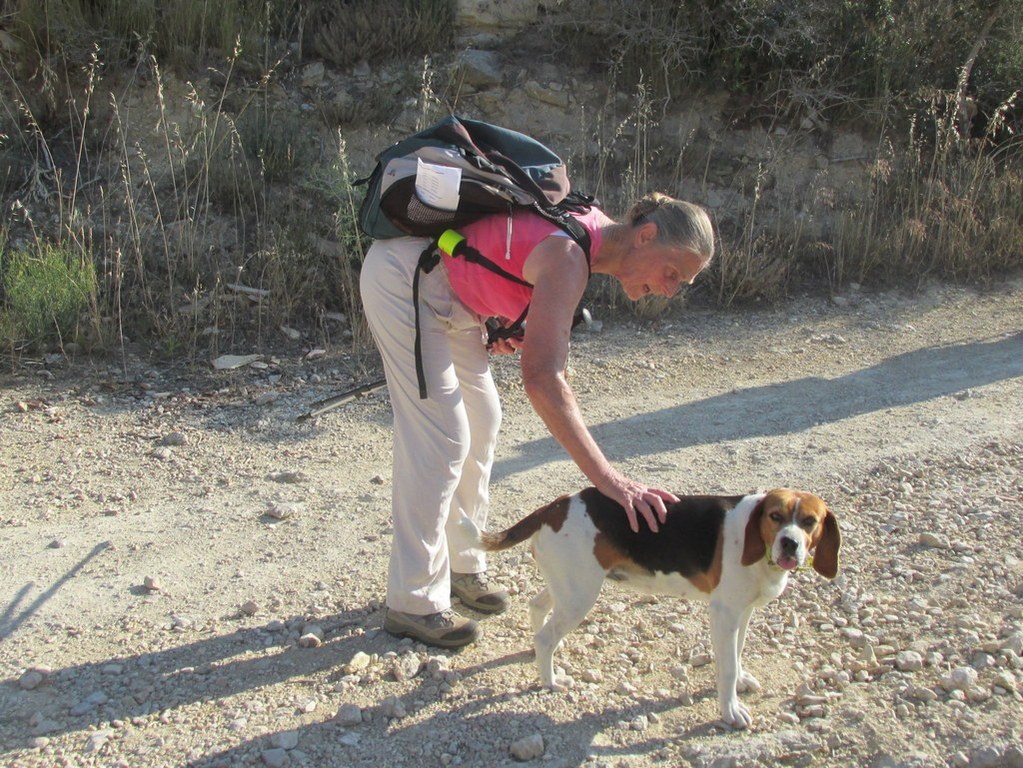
column 552, row 514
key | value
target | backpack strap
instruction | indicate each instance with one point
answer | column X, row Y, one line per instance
column 455, row 245
column 428, row 259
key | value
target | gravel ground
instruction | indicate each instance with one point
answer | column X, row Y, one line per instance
column 189, row 577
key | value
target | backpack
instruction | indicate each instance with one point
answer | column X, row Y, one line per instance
column 498, row 170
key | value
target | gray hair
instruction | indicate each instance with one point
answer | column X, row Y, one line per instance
column 678, row 223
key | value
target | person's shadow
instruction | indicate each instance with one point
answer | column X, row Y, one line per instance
column 797, row 405
column 138, row 685
column 478, row 727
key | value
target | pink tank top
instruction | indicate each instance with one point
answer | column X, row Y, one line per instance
column 490, row 295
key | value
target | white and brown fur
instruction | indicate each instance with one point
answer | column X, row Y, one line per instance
column 724, row 550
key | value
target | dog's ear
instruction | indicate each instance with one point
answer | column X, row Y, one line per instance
column 825, row 556
column 754, row 548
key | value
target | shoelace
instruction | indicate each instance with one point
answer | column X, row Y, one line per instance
column 480, row 581
column 445, row 618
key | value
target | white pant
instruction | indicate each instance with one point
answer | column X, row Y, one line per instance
column 443, row 445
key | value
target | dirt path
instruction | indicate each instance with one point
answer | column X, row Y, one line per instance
column 190, row 577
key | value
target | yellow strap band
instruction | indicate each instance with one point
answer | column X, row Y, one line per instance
column 448, row 241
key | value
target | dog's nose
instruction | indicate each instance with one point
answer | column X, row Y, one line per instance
column 789, row 546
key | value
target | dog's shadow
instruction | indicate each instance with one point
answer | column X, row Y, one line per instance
column 483, row 724
column 484, row 721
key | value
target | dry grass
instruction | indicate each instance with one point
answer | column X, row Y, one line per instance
column 216, row 213
column 941, row 206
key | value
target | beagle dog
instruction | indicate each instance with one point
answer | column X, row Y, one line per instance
column 733, row 552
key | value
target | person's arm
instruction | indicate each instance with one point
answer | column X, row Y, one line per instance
column 557, row 270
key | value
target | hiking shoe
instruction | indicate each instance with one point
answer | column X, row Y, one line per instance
column 475, row 591
column 445, row 629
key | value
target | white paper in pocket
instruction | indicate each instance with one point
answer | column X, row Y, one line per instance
column 437, row 185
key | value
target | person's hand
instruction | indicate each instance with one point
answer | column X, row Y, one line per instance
column 505, row 346
column 638, row 500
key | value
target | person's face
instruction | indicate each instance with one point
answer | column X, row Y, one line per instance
column 653, row 269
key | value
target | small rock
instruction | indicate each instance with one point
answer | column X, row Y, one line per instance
column 528, row 748
column 89, row 703
column 909, row 661
column 31, row 680
column 275, row 758
column 173, row 439
column 393, row 707
column 282, row 510
column 979, row 695
column 152, row 584
column 349, row 715
column 97, row 741
column 1006, row 681
column 285, row 739
column 640, row 723
column 249, row 608
column 359, row 663
column 921, row 693
column 227, row 362
column 935, row 540
column 406, row 667
column 291, row 477
column 310, row 640
column 1014, row 643
column 960, row 679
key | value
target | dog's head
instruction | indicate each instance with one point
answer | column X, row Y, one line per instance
column 788, row 525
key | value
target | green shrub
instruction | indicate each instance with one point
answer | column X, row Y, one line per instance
column 45, row 293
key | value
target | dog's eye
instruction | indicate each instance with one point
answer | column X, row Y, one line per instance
column 776, row 517
column 809, row 522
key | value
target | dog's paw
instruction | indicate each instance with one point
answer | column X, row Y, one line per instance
column 735, row 715
column 747, row 683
